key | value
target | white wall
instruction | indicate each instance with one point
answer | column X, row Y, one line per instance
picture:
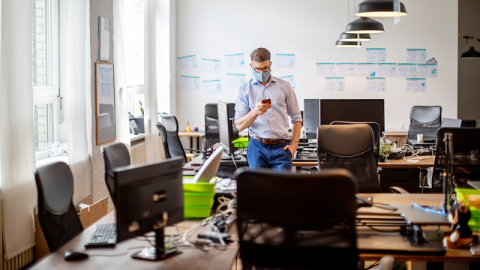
column 309, row 29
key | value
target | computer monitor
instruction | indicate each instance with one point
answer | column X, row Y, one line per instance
column 227, row 128
column 354, row 110
column 149, row 197
column 450, row 122
column 210, row 167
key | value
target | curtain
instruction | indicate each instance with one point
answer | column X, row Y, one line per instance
column 152, row 138
column 75, row 88
column 17, row 150
column 121, row 97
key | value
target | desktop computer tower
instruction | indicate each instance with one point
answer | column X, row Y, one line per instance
column 311, row 117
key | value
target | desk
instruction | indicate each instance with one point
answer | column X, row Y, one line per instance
column 426, row 162
column 190, row 258
column 192, row 134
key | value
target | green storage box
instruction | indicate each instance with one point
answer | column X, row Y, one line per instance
column 471, row 197
column 199, row 187
column 197, row 211
column 241, row 142
column 198, row 199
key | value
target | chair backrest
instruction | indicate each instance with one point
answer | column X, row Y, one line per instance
column 114, row 156
column 211, row 125
column 465, row 140
column 163, row 136
column 175, row 147
column 300, row 221
column 376, row 133
column 424, row 120
column 56, row 213
column 349, row 147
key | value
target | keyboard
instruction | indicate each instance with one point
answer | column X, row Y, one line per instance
column 104, row 235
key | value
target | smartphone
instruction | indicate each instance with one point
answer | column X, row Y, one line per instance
column 269, row 101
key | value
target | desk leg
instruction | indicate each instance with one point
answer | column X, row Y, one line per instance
column 191, row 144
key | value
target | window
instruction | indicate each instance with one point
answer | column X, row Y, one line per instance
column 134, row 53
column 45, row 74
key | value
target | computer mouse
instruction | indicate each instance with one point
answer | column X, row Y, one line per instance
column 74, row 255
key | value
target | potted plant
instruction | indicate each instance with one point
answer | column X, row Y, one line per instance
column 384, row 150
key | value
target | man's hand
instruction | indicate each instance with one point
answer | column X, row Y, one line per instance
column 293, row 148
column 261, row 108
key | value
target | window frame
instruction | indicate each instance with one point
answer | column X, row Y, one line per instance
column 50, row 94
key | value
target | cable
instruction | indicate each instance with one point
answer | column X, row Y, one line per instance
column 383, row 206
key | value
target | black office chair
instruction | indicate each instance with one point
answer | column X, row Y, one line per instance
column 465, row 140
column 211, row 125
column 424, row 120
column 376, row 133
column 299, row 221
column 169, row 135
column 114, row 156
column 350, row 147
column 57, row 216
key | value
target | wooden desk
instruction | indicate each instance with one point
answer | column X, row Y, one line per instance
column 190, row 258
column 191, row 134
column 426, row 162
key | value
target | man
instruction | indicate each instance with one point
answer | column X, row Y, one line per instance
column 268, row 122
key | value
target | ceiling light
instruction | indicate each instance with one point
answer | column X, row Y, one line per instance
column 379, row 8
column 354, row 37
column 346, row 44
column 471, row 53
column 364, row 25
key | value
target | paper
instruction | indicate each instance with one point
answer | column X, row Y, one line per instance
column 234, row 60
column 365, row 69
column 376, row 55
column 325, row 69
column 345, row 69
column 212, row 86
column 210, row 65
column 235, row 80
column 375, row 84
column 415, row 85
column 187, row 62
column 289, row 79
column 104, row 39
column 334, row 84
column 189, row 82
column 427, row 70
column 284, row 60
column 406, row 70
column 417, row 56
column 386, row 69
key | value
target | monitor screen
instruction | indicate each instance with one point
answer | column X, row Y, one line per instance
column 449, row 122
column 227, row 129
column 355, row 110
column 145, row 193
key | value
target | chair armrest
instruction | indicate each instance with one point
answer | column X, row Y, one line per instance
column 398, row 190
column 386, row 263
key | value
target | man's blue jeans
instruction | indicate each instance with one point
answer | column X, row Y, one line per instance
column 260, row 155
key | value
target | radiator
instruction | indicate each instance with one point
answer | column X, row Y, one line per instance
column 20, row 260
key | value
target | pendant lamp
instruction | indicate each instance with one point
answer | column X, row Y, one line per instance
column 379, row 8
column 364, row 25
column 353, row 37
column 471, row 54
column 346, row 44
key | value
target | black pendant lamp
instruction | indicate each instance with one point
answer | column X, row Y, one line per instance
column 346, row 44
column 471, row 53
column 364, row 25
column 354, row 37
column 379, row 8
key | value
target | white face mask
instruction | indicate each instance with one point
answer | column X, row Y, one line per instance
column 262, row 76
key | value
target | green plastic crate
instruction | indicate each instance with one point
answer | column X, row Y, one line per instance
column 198, row 199
column 199, row 187
column 474, row 205
column 196, row 211
column 241, row 142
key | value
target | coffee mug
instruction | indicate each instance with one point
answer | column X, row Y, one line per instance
column 420, row 137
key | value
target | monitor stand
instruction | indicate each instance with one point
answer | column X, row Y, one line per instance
column 158, row 253
column 226, row 157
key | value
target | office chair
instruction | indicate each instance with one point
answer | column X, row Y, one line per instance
column 424, row 120
column 168, row 130
column 376, row 133
column 114, row 156
column 350, row 147
column 211, row 125
column 465, row 140
column 57, row 215
column 299, row 221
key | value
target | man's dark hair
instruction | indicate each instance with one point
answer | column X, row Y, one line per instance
column 260, row 55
